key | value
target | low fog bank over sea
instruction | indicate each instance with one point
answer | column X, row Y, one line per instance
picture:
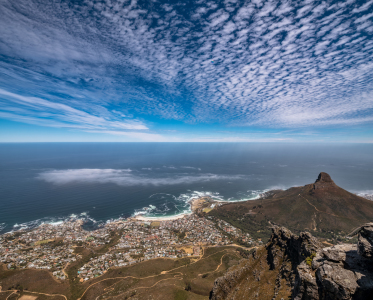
column 102, row 181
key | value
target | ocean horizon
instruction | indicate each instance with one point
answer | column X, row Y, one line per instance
column 99, row 182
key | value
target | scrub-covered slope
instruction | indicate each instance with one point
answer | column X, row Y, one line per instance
column 322, row 208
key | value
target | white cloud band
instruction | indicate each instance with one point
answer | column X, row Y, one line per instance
column 125, row 177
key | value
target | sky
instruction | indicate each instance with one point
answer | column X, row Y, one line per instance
column 186, row 71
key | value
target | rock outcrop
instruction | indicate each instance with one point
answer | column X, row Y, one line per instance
column 324, row 181
column 365, row 242
column 339, row 272
column 271, row 271
column 303, row 268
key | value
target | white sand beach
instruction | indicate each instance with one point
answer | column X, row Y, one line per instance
column 168, row 218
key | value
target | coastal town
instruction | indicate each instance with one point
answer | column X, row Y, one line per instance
column 54, row 246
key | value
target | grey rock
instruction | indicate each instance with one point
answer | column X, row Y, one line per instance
column 336, row 282
column 341, row 273
column 365, row 241
column 305, row 287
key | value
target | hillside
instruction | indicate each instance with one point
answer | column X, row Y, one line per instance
column 322, row 207
column 270, row 272
column 300, row 268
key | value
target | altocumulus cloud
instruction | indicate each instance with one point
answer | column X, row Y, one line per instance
column 99, row 65
column 124, row 177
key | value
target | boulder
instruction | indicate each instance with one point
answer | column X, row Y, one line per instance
column 365, row 241
column 336, row 272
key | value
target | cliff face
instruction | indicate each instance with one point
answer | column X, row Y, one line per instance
column 300, row 268
column 253, row 278
column 271, row 271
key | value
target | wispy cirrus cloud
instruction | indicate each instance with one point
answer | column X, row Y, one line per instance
column 248, row 63
column 43, row 112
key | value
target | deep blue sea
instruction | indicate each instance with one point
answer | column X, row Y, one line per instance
column 45, row 182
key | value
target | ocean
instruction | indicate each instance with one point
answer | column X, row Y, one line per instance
column 51, row 182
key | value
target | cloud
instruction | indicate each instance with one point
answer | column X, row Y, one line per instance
column 144, row 136
column 193, row 168
column 40, row 111
column 124, row 177
column 102, row 65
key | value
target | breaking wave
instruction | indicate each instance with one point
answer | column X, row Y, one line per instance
column 175, row 206
column 54, row 221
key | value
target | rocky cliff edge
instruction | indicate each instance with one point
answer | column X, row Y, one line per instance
column 301, row 263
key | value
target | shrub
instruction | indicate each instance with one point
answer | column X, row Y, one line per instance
column 310, row 258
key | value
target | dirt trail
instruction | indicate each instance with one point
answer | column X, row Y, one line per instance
column 50, row 295
column 162, row 273
column 320, row 210
column 178, row 277
column 353, row 231
column 13, row 292
column 28, row 292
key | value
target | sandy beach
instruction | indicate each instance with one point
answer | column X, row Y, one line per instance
column 194, row 204
column 169, row 218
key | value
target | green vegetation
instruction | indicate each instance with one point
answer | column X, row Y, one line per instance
column 310, row 258
column 180, row 234
column 181, row 295
column 257, row 227
column 155, row 224
column 42, row 242
column 245, row 253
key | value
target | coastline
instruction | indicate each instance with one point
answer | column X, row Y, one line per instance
column 195, row 205
column 167, row 218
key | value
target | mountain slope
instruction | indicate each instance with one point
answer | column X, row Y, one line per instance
column 321, row 207
column 300, row 268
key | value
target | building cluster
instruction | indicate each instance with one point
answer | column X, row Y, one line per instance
column 235, row 232
column 44, row 256
column 52, row 247
column 147, row 240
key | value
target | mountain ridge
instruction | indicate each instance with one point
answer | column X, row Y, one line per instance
column 322, row 207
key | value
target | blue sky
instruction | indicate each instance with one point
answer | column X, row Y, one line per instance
column 231, row 71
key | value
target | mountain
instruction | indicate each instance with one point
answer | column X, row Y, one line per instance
column 322, row 207
column 300, row 268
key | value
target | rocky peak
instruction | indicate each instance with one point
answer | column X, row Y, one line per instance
column 323, row 181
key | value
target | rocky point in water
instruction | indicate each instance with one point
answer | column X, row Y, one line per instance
column 300, row 268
